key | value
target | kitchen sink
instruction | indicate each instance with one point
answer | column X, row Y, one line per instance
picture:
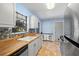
column 26, row 38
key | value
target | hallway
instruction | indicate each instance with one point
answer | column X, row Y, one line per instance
column 50, row 49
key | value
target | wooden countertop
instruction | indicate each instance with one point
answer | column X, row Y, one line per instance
column 8, row 47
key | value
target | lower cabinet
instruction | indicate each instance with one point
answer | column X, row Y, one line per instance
column 31, row 49
column 49, row 37
column 34, row 46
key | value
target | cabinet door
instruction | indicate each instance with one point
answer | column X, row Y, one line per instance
column 34, row 22
column 7, row 14
column 32, row 49
column 40, row 42
column 34, row 46
column 37, row 45
column 41, row 39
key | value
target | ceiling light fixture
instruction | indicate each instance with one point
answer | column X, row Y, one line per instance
column 50, row 5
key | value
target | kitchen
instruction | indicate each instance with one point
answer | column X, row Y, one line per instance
column 15, row 37
column 35, row 29
column 21, row 31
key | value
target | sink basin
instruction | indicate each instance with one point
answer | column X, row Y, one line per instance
column 25, row 39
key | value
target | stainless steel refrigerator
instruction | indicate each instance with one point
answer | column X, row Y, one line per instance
column 71, row 30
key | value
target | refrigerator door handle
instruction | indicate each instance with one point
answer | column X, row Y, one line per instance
column 72, row 41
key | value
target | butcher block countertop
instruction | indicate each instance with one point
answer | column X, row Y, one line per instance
column 8, row 47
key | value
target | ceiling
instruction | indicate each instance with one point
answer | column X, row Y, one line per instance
column 40, row 10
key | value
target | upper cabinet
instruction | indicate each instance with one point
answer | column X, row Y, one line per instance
column 34, row 22
column 7, row 14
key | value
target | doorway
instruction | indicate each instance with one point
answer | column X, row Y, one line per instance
column 59, row 30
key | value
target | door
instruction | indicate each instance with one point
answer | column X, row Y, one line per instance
column 59, row 30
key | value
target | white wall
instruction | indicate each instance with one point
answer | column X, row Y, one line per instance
column 48, row 26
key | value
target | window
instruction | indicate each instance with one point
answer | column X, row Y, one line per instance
column 21, row 23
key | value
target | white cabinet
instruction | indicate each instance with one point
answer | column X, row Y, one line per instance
column 7, row 15
column 34, row 46
column 34, row 22
column 45, row 36
column 28, row 23
column 40, row 42
column 49, row 37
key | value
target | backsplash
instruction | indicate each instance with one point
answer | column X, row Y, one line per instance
column 34, row 30
column 5, row 32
